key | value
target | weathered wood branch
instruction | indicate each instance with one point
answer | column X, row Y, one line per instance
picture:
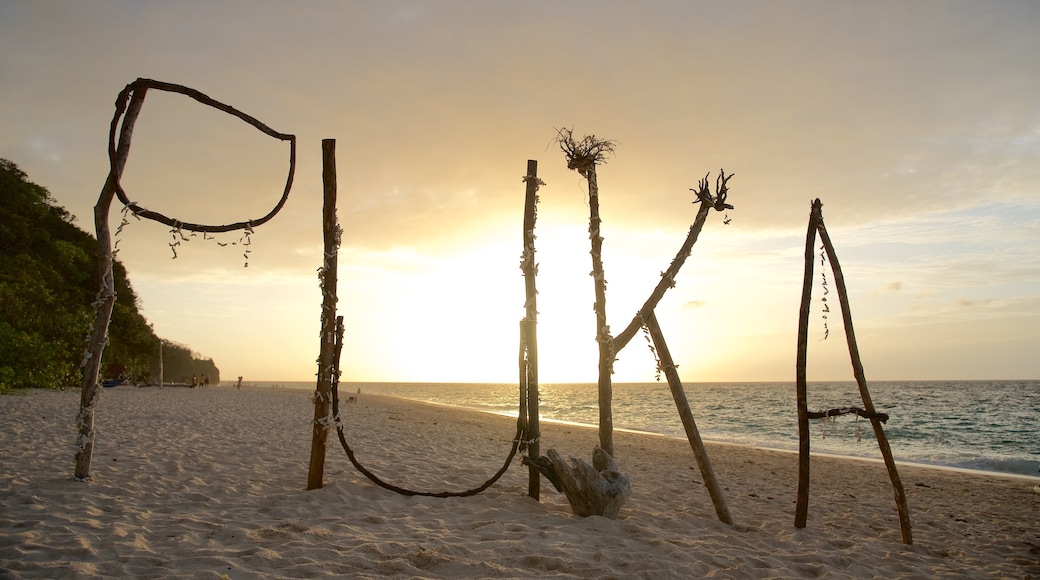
column 883, row 417
column 140, row 86
column 718, row 499
column 592, row 490
column 816, row 225
column 529, row 327
column 106, row 298
column 606, row 351
column 583, row 156
column 707, row 203
column 667, row 279
column 329, row 274
column 801, row 510
column 861, row 380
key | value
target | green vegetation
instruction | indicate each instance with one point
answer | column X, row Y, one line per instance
column 48, row 280
column 180, row 364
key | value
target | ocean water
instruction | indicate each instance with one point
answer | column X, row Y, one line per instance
column 981, row 425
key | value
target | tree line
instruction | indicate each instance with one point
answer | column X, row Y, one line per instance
column 48, row 282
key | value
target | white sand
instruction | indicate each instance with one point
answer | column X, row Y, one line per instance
column 208, row 483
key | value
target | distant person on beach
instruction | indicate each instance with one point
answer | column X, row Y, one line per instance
column 194, row 381
column 205, row 381
column 238, row 385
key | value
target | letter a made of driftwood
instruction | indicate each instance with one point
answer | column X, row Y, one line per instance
column 592, row 490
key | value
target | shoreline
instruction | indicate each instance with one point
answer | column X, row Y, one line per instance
column 681, row 437
column 206, row 483
column 899, row 462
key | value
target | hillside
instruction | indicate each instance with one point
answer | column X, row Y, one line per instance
column 48, row 280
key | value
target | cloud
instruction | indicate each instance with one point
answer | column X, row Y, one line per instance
column 890, row 288
column 973, row 303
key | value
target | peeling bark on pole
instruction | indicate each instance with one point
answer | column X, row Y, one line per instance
column 323, row 420
column 523, row 417
column 857, row 369
column 802, row 504
column 106, row 298
column 603, row 338
column 692, row 433
column 583, row 156
column 530, row 324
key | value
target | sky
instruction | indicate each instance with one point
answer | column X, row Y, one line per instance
column 916, row 123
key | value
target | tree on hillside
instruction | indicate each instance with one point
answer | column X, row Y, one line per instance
column 44, row 277
column 180, row 364
column 47, row 286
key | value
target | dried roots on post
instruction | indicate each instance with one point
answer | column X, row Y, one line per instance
column 585, row 154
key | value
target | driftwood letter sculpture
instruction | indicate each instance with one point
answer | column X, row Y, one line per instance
column 121, row 129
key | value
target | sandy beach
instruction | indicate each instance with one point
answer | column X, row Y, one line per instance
column 191, row 483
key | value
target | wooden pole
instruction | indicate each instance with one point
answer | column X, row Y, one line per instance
column 603, row 338
column 326, row 364
column 857, row 369
column 802, row 504
column 692, row 433
column 106, row 298
column 530, row 323
column 583, row 156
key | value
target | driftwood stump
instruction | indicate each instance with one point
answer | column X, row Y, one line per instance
column 592, row 490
